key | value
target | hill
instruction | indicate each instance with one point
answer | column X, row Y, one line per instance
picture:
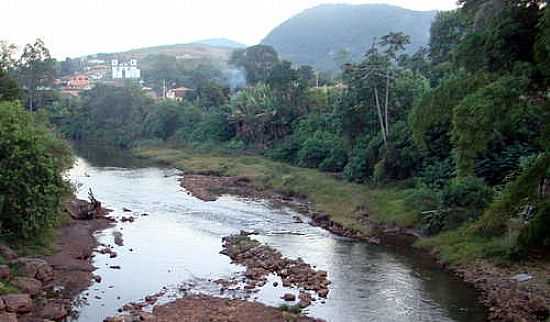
column 317, row 35
column 183, row 51
column 221, row 42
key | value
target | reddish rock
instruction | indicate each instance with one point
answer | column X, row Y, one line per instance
column 8, row 317
column 261, row 260
column 146, row 316
column 305, row 299
column 54, row 311
column 2, row 305
column 35, row 268
column 18, row 303
column 28, row 285
column 45, row 273
column 5, row 272
column 7, row 252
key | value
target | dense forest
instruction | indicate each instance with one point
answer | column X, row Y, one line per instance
column 462, row 124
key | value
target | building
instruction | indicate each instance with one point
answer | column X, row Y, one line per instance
column 177, row 94
column 78, row 83
column 127, row 70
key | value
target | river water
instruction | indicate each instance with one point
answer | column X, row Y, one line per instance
column 176, row 248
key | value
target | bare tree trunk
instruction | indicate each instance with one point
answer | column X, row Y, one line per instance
column 386, row 107
column 380, row 117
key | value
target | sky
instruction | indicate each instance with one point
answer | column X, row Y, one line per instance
column 73, row 28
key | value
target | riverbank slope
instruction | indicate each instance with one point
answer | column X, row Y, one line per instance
column 369, row 212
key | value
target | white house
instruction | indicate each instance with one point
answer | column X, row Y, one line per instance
column 126, row 70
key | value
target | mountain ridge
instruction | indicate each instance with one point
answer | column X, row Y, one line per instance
column 315, row 35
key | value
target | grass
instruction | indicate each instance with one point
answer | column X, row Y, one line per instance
column 342, row 200
column 464, row 246
column 294, row 309
column 7, row 288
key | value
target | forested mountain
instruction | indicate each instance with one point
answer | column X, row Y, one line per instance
column 328, row 35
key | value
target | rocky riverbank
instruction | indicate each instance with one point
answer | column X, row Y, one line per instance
column 506, row 298
column 213, row 309
column 47, row 285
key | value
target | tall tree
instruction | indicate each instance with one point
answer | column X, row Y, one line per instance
column 257, row 61
column 377, row 73
column 446, row 33
column 7, row 53
column 35, row 69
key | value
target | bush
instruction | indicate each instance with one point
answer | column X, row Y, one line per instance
column 428, row 203
column 436, row 174
column 31, row 185
column 285, row 151
column 336, row 160
column 464, row 199
column 537, row 233
column 363, row 158
column 320, row 147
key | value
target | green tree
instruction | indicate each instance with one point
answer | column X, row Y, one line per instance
column 113, row 115
column 257, row 62
column 446, row 34
column 377, row 73
column 35, row 70
column 31, row 163
column 9, row 90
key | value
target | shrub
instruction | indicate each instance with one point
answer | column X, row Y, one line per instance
column 537, row 233
column 322, row 145
column 285, row 151
column 436, row 174
column 31, row 162
column 363, row 158
column 428, row 203
column 464, row 199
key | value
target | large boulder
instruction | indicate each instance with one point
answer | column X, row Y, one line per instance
column 35, row 268
column 8, row 317
column 28, row 285
column 18, row 303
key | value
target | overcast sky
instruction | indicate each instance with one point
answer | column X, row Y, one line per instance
column 79, row 27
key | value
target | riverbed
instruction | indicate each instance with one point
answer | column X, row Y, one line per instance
column 175, row 239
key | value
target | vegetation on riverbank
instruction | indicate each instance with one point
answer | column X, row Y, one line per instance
column 32, row 189
column 346, row 202
column 457, row 134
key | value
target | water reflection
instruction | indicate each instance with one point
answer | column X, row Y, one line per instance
column 180, row 242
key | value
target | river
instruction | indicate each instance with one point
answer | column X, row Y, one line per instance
column 176, row 247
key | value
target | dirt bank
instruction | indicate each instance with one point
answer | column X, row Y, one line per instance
column 47, row 285
column 507, row 299
column 207, row 308
column 208, row 187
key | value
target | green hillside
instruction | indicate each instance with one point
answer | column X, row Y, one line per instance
column 318, row 35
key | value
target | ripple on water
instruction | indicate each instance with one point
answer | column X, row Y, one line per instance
column 180, row 240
